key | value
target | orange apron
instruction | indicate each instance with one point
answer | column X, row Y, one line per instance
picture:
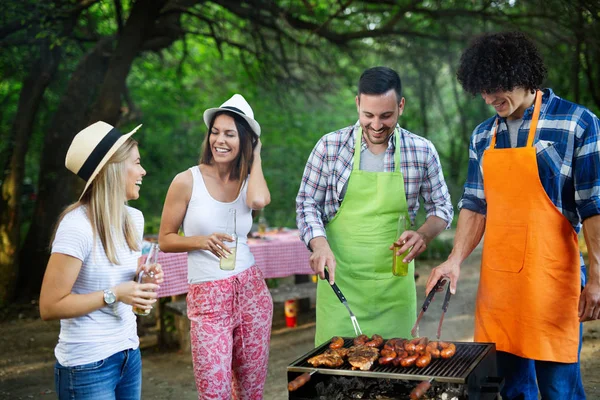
column 530, row 273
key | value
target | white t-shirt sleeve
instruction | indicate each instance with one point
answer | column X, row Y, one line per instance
column 138, row 221
column 73, row 237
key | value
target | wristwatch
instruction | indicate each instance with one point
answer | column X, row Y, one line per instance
column 109, row 297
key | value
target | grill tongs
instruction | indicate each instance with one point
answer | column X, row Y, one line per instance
column 437, row 288
column 340, row 296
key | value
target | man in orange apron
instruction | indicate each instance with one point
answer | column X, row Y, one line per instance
column 533, row 180
column 349, row 206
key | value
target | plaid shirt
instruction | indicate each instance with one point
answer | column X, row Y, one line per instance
column 330, row 163
column 568, row 156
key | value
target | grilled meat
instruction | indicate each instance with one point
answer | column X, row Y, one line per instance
column 331, row 360
column 343, row 352
column 362, row 357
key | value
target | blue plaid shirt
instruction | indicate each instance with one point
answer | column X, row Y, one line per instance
column 567, row 143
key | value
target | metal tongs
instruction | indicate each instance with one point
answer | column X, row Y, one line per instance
column 340, row 296
column 438, row 286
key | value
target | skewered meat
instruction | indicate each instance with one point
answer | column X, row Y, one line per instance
column 362, row 357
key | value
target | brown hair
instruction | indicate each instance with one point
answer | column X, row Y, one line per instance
column 248, row 139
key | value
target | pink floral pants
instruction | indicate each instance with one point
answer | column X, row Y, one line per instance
column 230, row 335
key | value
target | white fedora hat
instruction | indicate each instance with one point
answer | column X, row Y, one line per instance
column 91, row 149
column 238, row 105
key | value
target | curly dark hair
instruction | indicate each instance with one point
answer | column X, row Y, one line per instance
column 501, row 62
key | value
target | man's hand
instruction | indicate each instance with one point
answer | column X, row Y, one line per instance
column 408, row 239
column 448, row 269
column 589, row 302
column 322, row 256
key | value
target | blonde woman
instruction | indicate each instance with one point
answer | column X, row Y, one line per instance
column 230, row 310
column 89, row 281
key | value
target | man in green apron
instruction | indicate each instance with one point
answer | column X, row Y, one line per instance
column 348, row 208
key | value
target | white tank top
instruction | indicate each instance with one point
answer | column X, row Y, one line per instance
column 206, row 216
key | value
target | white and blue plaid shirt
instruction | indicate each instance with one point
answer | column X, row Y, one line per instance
column 330, row 164
column 567, row 143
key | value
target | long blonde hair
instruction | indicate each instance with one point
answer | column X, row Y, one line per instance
column 106, row 199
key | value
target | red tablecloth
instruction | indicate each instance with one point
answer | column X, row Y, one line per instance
column 278, row 255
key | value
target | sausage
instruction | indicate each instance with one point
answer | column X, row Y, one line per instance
column 422, row 345
column 336, row 342
column 376, row 341
column 361, row 340
column 432, row 348
column 399, row 345
column 299, row 382
column 391, row 343
column 449, row 351
column 399, row 357
column 388, row 353
column 420, row 390
column 386, row 360
column 410, row 347
column 409, row 361
column 423, row 360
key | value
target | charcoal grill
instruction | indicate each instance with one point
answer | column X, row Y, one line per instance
column 471, row 372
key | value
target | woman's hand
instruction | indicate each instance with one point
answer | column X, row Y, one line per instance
column 142, row 295
column 156, row 269
column 214, row 244
column 257, row 148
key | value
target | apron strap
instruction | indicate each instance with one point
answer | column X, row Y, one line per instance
column 358, row 146
column 532, row 128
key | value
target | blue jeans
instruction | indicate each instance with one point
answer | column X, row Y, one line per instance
column 523, row 376
column 118, row 377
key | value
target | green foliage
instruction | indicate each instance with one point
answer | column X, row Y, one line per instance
column 299, row 80
column 438, row 249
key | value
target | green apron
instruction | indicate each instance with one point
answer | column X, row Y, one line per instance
column 360, row 235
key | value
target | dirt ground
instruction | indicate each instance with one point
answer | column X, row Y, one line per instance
column 26, row 349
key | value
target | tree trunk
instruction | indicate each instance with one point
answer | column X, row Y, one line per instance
column 139, row 24
column 97, row 77
column 57, row 186
column 34, row 86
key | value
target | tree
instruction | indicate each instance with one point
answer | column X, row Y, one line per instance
column 311, row 47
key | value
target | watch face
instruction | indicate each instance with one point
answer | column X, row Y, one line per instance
column 109, row 297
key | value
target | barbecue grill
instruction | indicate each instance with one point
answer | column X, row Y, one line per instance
column 470, row 374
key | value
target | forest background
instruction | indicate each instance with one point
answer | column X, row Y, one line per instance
column 68, row 63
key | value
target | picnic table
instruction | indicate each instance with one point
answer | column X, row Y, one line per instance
column 278, row 253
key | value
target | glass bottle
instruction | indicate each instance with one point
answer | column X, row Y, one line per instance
column 399, row 267
column 147, row 277
column 262, row 223
column 228, row 263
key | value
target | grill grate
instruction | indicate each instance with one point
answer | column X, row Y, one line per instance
column 453, row 370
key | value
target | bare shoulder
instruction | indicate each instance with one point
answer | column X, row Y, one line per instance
column 182, row 185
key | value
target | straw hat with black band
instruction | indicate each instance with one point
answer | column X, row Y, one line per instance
column 238, row 105
column 91, row 149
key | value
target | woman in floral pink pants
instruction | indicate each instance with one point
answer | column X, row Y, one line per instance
column 240, row 307
column 230, row 309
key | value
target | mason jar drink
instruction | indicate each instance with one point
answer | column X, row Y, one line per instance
column 399, row 267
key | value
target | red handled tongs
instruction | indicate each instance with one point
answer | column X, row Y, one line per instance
column 438, row 287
